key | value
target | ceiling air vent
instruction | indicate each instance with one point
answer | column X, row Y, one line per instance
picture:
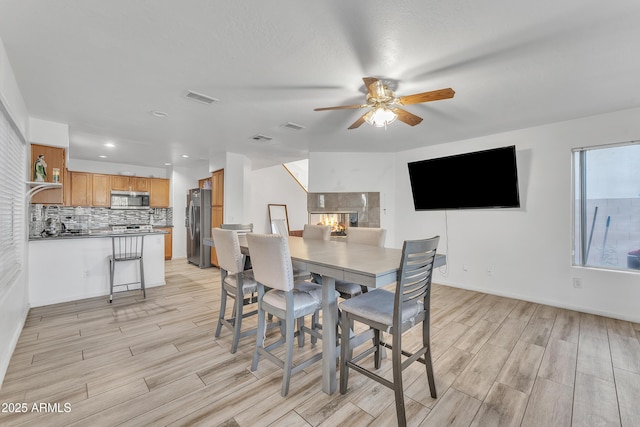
column 262, row 138
column 292, row 126
column 199, row 97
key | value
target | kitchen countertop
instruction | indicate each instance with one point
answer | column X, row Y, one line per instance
column 97, row 233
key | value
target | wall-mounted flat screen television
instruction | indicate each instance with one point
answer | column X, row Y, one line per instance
column 477, row 180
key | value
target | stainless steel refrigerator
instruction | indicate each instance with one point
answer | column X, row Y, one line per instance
column 198, row 223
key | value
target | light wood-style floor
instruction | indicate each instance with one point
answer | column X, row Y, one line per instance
column 498, row 362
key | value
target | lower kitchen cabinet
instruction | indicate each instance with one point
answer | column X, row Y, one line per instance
column 168, row 243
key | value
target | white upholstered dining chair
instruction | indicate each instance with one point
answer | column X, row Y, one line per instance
column 284, row 299
column 236, row 283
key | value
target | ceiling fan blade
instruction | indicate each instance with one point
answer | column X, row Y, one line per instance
column 341, row 107
column 407, row 117
column 368, row 81
column 434, row 95
column 358, row 122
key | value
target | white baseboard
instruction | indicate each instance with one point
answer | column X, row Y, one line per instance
column 6, row 356
column 588, row 310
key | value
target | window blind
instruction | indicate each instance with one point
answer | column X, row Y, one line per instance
column 12, row 200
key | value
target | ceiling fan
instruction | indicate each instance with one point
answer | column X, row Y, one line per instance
column 382, row 104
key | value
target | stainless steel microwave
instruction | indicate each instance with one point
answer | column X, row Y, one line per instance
column 129, row 199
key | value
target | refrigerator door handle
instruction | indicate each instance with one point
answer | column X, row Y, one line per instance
column 191, row 221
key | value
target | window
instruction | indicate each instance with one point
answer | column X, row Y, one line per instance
column 12, row 201
column 607, row 206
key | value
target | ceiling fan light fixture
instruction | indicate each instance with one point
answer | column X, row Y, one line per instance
column 380, row 117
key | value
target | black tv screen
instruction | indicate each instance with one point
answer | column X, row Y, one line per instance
column 478, row 180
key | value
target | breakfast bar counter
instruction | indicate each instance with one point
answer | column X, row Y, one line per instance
column 73, row 267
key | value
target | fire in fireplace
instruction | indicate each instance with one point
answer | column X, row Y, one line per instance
column 339, row 221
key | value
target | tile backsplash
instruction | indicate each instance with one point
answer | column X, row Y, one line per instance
column 97, row 218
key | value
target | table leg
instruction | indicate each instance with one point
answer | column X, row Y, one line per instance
column 329, row 322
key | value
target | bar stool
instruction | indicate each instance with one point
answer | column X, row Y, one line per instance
column 126, row 249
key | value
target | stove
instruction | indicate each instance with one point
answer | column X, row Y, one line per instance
column 132, row 228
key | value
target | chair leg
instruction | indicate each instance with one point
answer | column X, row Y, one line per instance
column 397, row 379
column 288, row 361
column 238, row 322
column 223, row 308
column 301, row 331
column 144, row 289
column 345, row 352
column 112, row 266
column 260, row 336
column 314, row 324
column 427, row 360
column 378, row 353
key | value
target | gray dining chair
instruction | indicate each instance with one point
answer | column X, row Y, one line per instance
column 273, row 269
column 362, row 236
column 126, row 249
column 395, row 313
column 236, row 283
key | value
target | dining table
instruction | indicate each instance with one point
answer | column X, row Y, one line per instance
column 367, row 265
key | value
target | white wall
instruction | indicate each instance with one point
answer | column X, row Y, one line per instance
column 276, row 186
column 14, row 303
column 109, row 168
column 49, row 133
column 355, row 172
column 527, row 250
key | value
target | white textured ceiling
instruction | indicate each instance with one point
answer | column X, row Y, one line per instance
column 102, row 66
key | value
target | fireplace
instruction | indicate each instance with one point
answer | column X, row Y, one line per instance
column 339, row 221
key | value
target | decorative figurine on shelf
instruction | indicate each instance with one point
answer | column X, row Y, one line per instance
column 40, row 169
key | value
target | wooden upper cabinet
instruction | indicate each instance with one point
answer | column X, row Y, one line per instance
column 101, row 190
column 205, row 183
column 119, row 182
column 217, row 188
column 159, row 192
column 81, row 188
column 139, row 184
column 54, row 157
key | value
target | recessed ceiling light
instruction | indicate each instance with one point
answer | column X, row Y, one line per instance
column 185, row 156
column 167, row 164
column 157, row 113
column 102, row 156
column 110, row 145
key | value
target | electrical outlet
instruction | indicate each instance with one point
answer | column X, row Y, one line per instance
column 577, row 283
column 489, row 271
column 465, row 268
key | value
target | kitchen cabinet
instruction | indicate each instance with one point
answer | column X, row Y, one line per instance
column 101, row 190
column 139, row 184
column 217, row 206
column 217, row 188
column 205, row 183
column 119, row 182
column 54, row 157
column 168, row 243
column 81, row 188
column 129, row 183
column 159, row 193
